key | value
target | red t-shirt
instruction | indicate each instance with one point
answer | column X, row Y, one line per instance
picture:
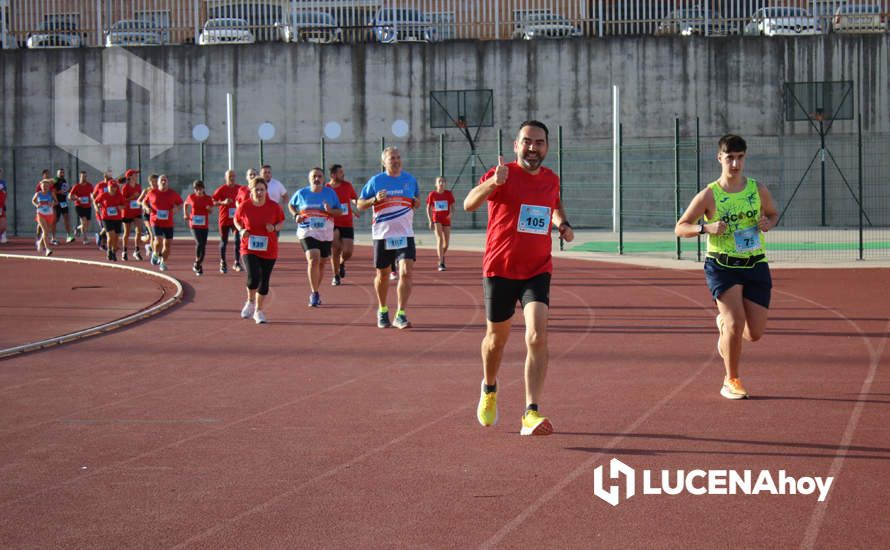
column 2, row 202
column 260, row 241
column 200, row 215
column 81, row 192
column 243, row 195
column 227, row 211
column 162, row 204
column 345, row 193
column 111, row 206
column 131, row 193
column 518, row 243
column 441, row 203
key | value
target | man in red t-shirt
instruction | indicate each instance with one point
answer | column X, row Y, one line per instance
column 80, row 195
column 110, row 204
column 225, row 197
column 344, row 232
column 523, row 202
column 162, row 203
column 439, row 208
column 102, row 187
column 131, row 191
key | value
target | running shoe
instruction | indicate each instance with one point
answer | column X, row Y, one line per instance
column 487, row 410
column 719, row 334
column 162, row 266
column 733, row 389
column 335, row 281
column 98, row 241
column 535, row 424
column 54, row 242
column 247, row 310
column 383, row 319
column 147, row 249
column 49, row 252
column 259, row 317
column 342, row 269
column 401, row 321
column 85, row 240
column 112, row 256
column 442, row 266
column 70, row 238
column 223, row 268
column 137, row 255
column 103, row 244
column 237, row 266
column 195, row 267
column 393, row 276
column 38, row 245
column 314, row 299
column 124, row 255
column 200, row 270
column 3, row 239
column 108, row 255
column 155, row 259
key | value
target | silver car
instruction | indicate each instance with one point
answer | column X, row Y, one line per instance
column 226, row 31
column 393, row 25
column 532, row 25
column 312, row 26
column 859, row 18
column 133, row 32
column 55, row 34
column 782, row 21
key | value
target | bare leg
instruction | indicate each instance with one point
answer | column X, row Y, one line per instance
column 537, row 355
column 381, row 285
column 732, row 315
column 406, row 272
column 496, row 336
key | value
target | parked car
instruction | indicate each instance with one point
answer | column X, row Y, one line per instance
column 133, row 32
column 55, row 33
column 859, row 18
column 312, row 26
column 782, row 21
column 225, row 31
column 533, row 24
column 402, row 25
column 693, row 21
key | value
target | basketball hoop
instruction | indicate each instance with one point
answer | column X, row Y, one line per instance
column 818, row 116
column 461, row 123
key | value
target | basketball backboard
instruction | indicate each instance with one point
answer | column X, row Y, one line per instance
column 461, row 108
column 815, row 101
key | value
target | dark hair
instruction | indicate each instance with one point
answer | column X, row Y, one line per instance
column 731, row 143
column 198, row 183
column 263, row 167
column 536, row 124
column 334, row 168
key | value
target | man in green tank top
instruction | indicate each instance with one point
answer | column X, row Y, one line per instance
column 736, row 212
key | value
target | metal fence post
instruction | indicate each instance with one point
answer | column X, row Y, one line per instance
column 677, row 179
column 697, row 179
column 442, row 155
column 859, row 144
column 620, row 191
column 202, row 160
column 322, row 145
column 559, row 171
column 15, row 205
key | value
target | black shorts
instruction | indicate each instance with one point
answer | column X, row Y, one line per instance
column 58, row 208
column 384, row 258
column 314, row 244
column 346, row 232
column 84, row 212
column 146, row 216
column 163, row 232
column 501, row 295
column 128, row 220
column 112, row 225
column 757, row 284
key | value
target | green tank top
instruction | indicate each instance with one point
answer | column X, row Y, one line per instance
column 740, row 211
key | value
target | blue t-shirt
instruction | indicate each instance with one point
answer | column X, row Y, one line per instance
column 317, row 224
column 394, row 215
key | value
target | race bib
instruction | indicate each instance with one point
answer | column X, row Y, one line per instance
column 199, row 220
column 63, row 204
column 111, row 210
column 259, row 243
column 134, row 205
column 163, row 215
column 317, row 223
column 45, row 209
column 534, row 219
column 83, row 200
column 440, row 206
column 747, row 240
column 232, row 212
column 396, row 243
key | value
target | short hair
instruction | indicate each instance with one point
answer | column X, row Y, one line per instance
column 316, row 169
column 334, row 168
column 390, row 149
column 266, row 166
column 440, row 178
column 153, row 177
column 198, row 184
column 536, row 124
column 256, row 181
column 731, row 143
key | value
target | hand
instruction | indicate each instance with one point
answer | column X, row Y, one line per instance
column 327, row 208
column 566, row 233
column 716, row 228
column 270, row 228
column 764, row 224
column 380, row 195
column 501, row 172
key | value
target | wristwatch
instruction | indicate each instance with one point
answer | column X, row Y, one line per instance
column 701, row 229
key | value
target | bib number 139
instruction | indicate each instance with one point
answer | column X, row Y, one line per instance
column 534, row 219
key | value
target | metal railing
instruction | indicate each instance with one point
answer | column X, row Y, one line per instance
column 73, row 23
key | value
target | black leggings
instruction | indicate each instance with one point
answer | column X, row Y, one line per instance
column 224, row 241
column 258, row 272
column 200, row 235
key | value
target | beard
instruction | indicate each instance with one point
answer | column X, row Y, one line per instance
column 531, row 162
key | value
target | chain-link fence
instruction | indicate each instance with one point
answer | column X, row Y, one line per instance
column 821, row 214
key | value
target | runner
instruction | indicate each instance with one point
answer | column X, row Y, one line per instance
column 313, row 208
column 111, row 204
column 225, row 198
column 131, row 191
column 80, row 195
column 439, row 208
column 276, row 190
column 393, row 194
column 61, row 188
column 523, row 206
column 197, row 213
column 44, row 200
column 344, row 232
column 101, row 187
column 149, row 238
column 3, row 219
column 737, row 211
column 244, row 191
column 258, row 221
column 162, row 203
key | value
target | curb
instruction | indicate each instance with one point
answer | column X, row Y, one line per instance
column 99, row 329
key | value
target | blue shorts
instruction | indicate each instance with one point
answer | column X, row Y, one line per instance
column 757, row 284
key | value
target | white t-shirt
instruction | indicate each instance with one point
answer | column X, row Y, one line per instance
column 276, row 190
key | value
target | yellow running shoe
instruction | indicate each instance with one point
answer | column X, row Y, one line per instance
column 487, row 410
column 535, row 424
column 733, row 389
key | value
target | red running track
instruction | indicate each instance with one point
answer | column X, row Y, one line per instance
column 195, row 429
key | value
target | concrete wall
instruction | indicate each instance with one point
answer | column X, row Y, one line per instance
column 732, row 84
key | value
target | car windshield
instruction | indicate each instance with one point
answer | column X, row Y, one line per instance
column 786, row 12
column 314, row 18
column 57, row 26
column 859, row 9
column 130, row 24
column 401, row 15
column 240, row 24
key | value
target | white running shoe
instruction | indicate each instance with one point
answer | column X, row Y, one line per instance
column 247, row 310
column 259, row 317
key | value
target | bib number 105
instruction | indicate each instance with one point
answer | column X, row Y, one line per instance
column 534, row 219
